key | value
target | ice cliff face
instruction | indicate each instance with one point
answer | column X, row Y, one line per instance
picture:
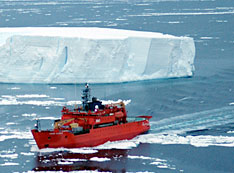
column 95, row 55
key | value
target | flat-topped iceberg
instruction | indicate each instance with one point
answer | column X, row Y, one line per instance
column 94, row 55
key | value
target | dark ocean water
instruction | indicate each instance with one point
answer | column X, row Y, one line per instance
column 192, row 129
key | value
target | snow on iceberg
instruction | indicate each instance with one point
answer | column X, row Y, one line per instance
column 94, row 55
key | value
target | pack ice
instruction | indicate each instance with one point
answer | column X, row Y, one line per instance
column 95, row 55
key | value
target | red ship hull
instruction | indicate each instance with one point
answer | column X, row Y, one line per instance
column 93, row 137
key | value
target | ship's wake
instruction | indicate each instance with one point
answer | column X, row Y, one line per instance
column 195, row 129
column 201, row 129
column 191, row 129
column 195, row 122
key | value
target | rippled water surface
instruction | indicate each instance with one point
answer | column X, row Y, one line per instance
column 192, row 129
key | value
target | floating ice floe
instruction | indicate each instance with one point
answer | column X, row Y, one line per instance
column 14, row 88
column 11, row 123
column 9, row 164
column 12, row 134
column 231, row 131
column 16, row 100
column 9, row 156
column 99, row 159
column 32, row 96
column 65, row 163
column 160, row 163
column 29, row 115
column 27, row 154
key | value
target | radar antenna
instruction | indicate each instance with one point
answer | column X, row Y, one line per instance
column 86, row 97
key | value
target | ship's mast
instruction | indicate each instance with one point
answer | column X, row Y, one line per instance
column 86, row 97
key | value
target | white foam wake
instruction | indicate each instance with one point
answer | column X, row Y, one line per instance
column 194, row 121
column 34, row 148
column 168, row 139
column 172, row 130
column 197, row 141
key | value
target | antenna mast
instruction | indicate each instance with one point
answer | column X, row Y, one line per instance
column 86, row 97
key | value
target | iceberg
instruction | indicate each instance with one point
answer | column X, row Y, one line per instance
column 94, row 55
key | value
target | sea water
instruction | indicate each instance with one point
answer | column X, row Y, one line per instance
column 192, row 129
